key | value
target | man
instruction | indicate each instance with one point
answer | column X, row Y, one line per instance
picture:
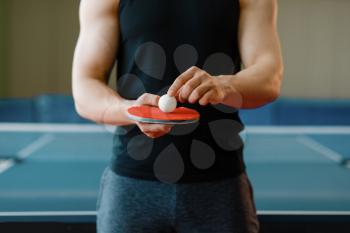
column 149, row 39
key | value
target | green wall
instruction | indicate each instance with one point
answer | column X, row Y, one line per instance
column 3, row 48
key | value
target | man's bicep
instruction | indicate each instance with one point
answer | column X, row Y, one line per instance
column 98, row 39
column 258, row 37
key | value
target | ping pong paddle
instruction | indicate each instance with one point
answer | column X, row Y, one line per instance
column 152, row 114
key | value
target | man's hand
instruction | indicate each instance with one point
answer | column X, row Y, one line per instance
column 150, row 130
column 196, row 85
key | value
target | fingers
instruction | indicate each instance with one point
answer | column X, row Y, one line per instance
column 207, row 98
column 192, row 85
column 156, row 135
column 188, row 88
column 198, row 93
column 148, row 99
column 181, row 80
column 148, row 127
column 154, row 130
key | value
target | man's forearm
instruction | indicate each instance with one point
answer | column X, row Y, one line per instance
column 252, row 87
column 96, row 101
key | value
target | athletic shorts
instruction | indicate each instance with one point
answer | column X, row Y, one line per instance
column 131, row 205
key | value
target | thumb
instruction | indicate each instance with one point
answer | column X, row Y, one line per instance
column 148, row 99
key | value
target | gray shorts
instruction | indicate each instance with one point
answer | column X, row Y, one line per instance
column 129, row 205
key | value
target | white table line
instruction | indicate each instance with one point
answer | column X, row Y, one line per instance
column 318, row 147
column 27, row 151
column 94, row 128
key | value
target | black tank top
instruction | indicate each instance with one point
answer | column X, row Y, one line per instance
column 160, row 39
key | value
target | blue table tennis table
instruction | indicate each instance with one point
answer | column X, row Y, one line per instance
column 297, row 172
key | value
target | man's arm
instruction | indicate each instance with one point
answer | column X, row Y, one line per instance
column 260, row 81
column 93, row 60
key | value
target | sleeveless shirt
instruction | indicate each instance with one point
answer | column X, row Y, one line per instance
column 158, row 40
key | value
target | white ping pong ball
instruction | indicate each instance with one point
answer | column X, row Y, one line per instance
column 167, row 103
